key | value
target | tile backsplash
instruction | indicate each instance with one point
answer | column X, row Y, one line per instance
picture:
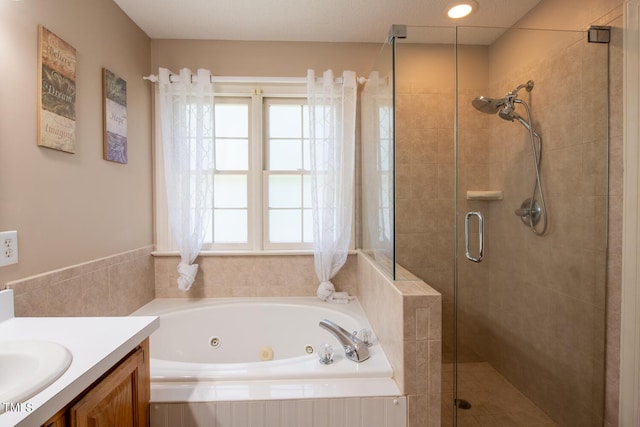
column 111, row 286
column 250, row 276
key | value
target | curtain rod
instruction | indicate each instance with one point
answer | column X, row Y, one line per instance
column 173, row 78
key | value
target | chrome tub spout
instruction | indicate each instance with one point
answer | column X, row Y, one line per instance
column 354, row 348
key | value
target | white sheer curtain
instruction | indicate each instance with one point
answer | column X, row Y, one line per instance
column 186, row 115
column 332, row 117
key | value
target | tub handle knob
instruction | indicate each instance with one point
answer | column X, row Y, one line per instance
column 366, row 336
column 325, row 353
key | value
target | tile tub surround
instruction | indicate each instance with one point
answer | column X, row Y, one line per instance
column 111, row 286
column 264, row 275
column 406, row 315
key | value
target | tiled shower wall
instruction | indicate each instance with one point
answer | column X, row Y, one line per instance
column 111, row 286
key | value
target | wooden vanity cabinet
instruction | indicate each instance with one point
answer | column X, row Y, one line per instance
column 120, row 398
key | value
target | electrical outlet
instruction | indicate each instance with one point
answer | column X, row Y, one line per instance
column 8, row 247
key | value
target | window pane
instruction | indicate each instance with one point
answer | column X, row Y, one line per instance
column 306, row 191
column 285, row 154
column 232, row 120
column 285, row 226
column 305, row 121
column 230, row 226
column 230, row 191
column 285, row 121
column 232, row 154
column 285, row 191
column 306, row 155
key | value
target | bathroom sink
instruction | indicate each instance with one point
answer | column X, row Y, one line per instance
column 29, row 366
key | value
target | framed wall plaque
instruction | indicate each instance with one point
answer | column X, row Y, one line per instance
column 114, row 91
column 56, row 92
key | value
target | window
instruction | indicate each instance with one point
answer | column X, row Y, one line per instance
column 259, row 157
column 287, row 180
column 230, row 210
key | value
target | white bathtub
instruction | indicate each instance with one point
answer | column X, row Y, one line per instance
column 210, row 350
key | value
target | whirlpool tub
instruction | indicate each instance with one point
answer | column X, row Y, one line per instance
column 210, row 350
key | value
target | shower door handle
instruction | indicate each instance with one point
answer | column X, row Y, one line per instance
column 480, row 236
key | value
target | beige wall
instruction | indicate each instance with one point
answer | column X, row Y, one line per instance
column 262, row 59
column 72, row 208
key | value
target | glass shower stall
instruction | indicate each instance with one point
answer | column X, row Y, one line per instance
column 485, row 174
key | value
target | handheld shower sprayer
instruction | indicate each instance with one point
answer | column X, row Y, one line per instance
column 532, row 210
column 507, row 111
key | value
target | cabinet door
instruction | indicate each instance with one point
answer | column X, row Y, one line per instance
column 58, row 420
column 120, row 399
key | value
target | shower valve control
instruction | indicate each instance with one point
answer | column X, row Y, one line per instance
column 8, row 248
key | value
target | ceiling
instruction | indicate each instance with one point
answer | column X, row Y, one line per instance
column 306, row 20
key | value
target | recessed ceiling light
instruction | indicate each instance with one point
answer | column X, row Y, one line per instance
column 460, row 9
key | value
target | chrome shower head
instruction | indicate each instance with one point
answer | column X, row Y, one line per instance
column 505, row 106
column 488, row 105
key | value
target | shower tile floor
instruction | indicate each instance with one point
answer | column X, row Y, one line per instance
column 494, row 401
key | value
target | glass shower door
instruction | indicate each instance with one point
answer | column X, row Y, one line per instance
column 532, row 144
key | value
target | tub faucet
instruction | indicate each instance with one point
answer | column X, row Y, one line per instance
column 354, row 348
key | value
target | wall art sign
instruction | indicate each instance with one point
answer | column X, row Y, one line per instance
column 56, row 92
column 115, row 117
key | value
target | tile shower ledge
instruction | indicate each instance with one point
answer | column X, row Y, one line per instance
column 96, row 344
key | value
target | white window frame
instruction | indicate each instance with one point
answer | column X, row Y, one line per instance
column 267, row 245
column 257, row 90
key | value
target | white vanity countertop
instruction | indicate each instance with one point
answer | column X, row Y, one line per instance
column 96, row 344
